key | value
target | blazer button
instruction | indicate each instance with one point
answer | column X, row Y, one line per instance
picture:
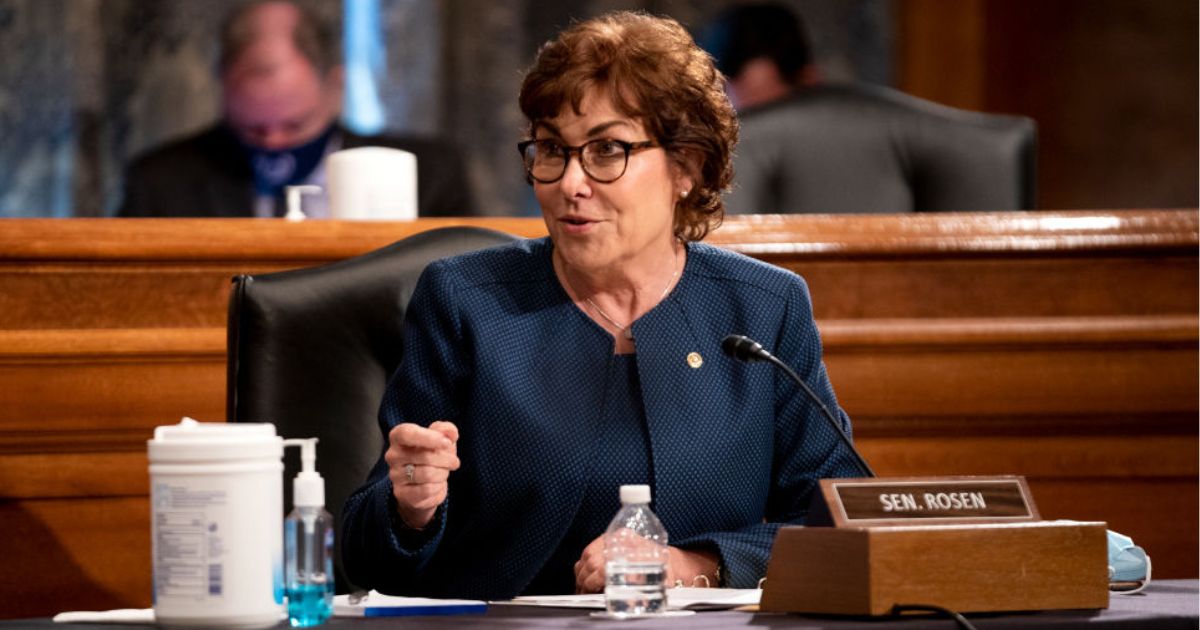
column 695, row 360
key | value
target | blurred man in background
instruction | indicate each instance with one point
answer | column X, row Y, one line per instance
column 806, row 146
column 763, row 52
column 282, row 93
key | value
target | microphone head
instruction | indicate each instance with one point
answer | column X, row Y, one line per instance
column 743, row 348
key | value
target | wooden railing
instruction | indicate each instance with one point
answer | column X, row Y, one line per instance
column 1057, row 345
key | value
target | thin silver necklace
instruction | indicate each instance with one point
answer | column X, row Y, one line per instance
column 625, row 330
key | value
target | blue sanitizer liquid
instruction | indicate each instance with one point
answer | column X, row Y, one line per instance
column 309, row 605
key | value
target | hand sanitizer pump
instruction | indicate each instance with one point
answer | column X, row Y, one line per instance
column 295, row 202
column 308, row 533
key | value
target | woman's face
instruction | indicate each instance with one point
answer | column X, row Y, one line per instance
column 599, row 227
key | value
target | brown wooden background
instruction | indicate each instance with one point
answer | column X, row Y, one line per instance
column 1057, row 345
column 1112, row 85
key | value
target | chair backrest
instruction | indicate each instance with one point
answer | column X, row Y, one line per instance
column 311, row 351
column 860, row 148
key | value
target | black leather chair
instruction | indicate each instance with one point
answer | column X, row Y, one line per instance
column 311, row 350
column 869, row 149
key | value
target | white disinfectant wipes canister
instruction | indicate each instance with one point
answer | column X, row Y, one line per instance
column 216, row 522
column 372, row 183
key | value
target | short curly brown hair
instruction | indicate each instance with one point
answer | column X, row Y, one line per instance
column 658, row 75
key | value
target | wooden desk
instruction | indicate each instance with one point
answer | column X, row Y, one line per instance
column 1058, row 345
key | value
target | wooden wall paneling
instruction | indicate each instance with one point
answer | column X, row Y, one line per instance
column 75, row 554
column 106, row 381
column 941, row 50
column 986, row 287
column 117, row 295
column 1112, row 85
column 244, row 241
column 1014, row 371
column 107, row 296
column 1051, row 455
column 72, row 472
column 254, row 241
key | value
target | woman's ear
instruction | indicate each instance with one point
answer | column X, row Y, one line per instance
column 683, row 186
column 684, row 170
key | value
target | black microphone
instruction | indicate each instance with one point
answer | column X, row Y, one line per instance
column 746, row 349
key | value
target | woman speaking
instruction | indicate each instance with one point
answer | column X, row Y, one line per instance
column 539, row 377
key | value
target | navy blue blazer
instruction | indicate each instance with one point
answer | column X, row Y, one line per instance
column 494, row 344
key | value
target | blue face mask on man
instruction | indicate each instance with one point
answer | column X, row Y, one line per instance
column 275, row 169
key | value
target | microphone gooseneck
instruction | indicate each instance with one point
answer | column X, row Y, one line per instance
column 746, row 349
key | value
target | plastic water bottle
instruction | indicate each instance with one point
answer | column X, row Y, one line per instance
column 635, row 556
column 308, row 535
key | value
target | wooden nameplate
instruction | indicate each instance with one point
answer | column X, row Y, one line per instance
column 969, row 544
column 922, row 500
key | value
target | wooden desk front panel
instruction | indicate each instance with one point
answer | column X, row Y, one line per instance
column 96, row 274
column 999, row 286
column 959, row 344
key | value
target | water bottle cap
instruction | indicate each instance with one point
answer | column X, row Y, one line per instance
column 635, row 494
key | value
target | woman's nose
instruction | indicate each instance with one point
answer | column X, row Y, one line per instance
column 574, row 181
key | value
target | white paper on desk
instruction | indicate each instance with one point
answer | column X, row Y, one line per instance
column 680, row 598
column 375, row 604
column 122, row 615
column 688, row 598
column 594, row 601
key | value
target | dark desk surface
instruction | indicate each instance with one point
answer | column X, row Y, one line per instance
column 1165, row 605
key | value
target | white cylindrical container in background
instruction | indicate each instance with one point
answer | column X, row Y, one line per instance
column 216, row 504
column 372, row 183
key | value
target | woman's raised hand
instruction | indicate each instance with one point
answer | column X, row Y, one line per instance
column 419, row 462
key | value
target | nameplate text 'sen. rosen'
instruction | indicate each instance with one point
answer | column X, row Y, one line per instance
column 946, row 499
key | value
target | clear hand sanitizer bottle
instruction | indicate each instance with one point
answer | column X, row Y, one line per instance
column 635, row 558
column 308, row 536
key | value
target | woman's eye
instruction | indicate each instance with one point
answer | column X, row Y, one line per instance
column 607, row 148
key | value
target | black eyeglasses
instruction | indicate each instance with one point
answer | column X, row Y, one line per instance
column 603, row 160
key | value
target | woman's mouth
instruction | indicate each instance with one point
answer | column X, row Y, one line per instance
column 576, row 224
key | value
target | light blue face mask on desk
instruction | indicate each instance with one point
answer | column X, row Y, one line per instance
column 1128, row 565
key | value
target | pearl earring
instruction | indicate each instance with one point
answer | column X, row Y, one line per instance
column 684, row 193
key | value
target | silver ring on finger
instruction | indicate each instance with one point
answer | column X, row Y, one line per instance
column 410, row 473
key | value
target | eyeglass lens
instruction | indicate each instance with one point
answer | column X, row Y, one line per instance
column 602, row 160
